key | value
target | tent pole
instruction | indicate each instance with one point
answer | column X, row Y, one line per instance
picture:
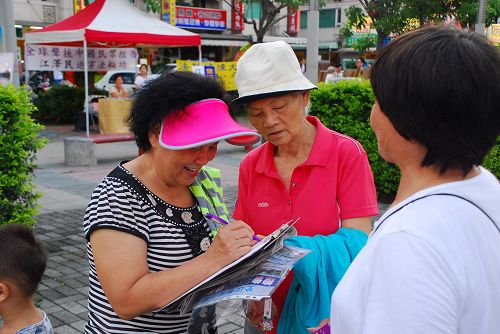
column 199, row 53
column 86, row 87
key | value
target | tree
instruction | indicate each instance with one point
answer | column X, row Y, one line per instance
column 397, row 16
column 386, row 17
column 270, row 12
column 426, row 11
column 466, row 12
column 357, row 20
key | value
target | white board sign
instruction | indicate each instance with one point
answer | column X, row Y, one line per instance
column 65, row 58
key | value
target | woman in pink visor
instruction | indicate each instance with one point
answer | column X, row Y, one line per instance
column 147, row 239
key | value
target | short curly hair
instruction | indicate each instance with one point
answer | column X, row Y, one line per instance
column 22, row 258
column 166, row 95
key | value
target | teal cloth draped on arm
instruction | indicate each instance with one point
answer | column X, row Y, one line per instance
column 316, row 276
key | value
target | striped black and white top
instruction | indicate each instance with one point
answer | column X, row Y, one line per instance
column 173, row 235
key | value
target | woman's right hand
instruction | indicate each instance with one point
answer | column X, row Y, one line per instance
column 232, row 242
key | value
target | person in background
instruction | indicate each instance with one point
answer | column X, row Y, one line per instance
column 303, row 65
column 118, row 91
column 330, row 74
column 141, row 77
column 58, row 77
column 304, row 169
column 147, row 238
column 22, row 264
column 360, row 67
column 340, row 71
column 432, row 262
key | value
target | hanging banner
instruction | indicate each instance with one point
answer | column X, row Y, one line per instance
column 292, row 21
column 201, row 18
column 168, row 11
column 238, row 13
column 6, row 68
column 224, row 71
column 64, row 58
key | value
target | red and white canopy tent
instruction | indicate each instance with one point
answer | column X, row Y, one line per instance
column 111, row 23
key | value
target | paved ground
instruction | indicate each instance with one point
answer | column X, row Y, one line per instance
column 66, row 190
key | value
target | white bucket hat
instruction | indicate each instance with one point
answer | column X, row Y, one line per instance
column 269, row 69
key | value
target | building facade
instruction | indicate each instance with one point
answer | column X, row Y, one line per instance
column 221, row 39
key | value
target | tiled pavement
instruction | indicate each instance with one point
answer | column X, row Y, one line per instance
column 66, row 190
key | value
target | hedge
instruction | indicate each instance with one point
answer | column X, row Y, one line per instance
column 61, row 104
column 492, row 160
column 345, row 107
column 19, row 141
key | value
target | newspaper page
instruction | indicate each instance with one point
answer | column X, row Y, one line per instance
column 236, row 270
column 259, row 282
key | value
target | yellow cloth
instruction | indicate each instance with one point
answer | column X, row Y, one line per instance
column 113, row 114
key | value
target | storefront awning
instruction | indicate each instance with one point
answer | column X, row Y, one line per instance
column 290, row 40
column 208, row 39
column 222, row 42
column 321, row 46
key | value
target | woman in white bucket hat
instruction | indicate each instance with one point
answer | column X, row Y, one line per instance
column 304, row 169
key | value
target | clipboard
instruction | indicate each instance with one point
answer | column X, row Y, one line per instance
column 262, row 249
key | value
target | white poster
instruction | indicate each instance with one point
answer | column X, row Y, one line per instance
column 66, row 58
column 198, row 69
column 6, row 68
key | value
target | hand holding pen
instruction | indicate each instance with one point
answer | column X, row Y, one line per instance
column 224, row 222
column 232, row 242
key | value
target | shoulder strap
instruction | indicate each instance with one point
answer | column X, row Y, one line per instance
column 208, row 193
column 439, row 194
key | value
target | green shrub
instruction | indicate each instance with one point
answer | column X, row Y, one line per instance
column 19, row 141
column 492, row 160
column 61, row 104
column 345, row 107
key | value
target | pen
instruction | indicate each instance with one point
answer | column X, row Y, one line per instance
column 224, row 222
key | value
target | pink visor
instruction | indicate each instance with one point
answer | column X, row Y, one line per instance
column 204, row 122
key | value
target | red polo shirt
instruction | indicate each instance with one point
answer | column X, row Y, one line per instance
column 334, row 182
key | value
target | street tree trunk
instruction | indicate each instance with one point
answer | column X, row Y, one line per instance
column 380, row 39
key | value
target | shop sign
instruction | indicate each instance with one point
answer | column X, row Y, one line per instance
column 238, row 13
column 493, row 34
column 349, row 42
column 224, row 71
column 168, row 11
column 65, row 58
column 293, row 21
column 200, row 18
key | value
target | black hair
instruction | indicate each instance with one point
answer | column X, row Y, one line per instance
column 145, row 65
column 440, row 86
column 22, row 258
column 169, row 94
